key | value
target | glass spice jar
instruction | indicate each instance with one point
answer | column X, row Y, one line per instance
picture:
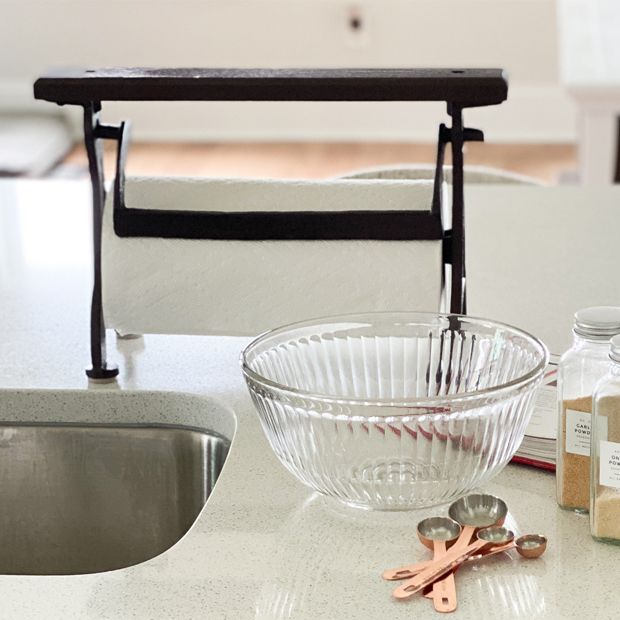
column 579, row 370
column 605, row 453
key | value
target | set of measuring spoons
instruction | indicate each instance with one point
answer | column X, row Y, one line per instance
column 450, row 539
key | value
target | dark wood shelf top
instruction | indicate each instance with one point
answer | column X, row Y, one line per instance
column 467, row 87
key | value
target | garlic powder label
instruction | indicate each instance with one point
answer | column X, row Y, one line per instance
column 609, row 467
column 578, row 432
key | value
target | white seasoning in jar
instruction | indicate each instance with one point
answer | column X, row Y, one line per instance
column 605, row 452
column 606, row 522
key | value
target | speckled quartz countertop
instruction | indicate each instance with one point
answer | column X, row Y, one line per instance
column 264, row 546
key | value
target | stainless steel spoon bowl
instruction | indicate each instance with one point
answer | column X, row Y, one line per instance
column 531, row 545
column 496, row 535
column 479, row 510
column 438, row 529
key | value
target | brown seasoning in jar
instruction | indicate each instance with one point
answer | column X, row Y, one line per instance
column 575, row 482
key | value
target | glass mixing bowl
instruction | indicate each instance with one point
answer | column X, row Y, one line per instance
column 394, row 410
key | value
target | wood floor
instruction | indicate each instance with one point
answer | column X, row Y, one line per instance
column 319, row 160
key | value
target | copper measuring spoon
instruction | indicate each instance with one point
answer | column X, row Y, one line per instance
column 435, row 533
column 472, row 512
column 487, row 537
column 528, row 546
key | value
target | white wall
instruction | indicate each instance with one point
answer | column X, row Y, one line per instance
column 518, row 35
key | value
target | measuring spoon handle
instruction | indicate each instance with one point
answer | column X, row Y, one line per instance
column 444, row 589
column 492, row 551
column 437, row 569
column 406, row 572
column 411, row 570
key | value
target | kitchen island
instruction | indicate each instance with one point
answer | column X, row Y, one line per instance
column 264, row 546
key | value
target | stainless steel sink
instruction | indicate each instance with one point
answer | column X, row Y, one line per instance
column 82, row 498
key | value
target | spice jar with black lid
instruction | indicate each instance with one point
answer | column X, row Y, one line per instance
column 579, row 370
column 605, row 453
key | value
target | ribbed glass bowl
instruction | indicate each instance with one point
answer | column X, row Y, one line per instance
column 394, row 410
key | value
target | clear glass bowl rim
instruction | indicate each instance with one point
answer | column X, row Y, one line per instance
column 490, row 393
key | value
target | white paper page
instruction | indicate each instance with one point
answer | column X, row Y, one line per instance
column 543, row 422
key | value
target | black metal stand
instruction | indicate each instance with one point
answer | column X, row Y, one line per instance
column 458, row 88
column 101, row 370
column 454, row 237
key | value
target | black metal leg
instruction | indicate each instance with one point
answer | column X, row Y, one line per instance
column 458, row 303
column 100, row 370
column 442, row 139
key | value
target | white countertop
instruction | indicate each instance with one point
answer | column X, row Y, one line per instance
column 264, row 546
